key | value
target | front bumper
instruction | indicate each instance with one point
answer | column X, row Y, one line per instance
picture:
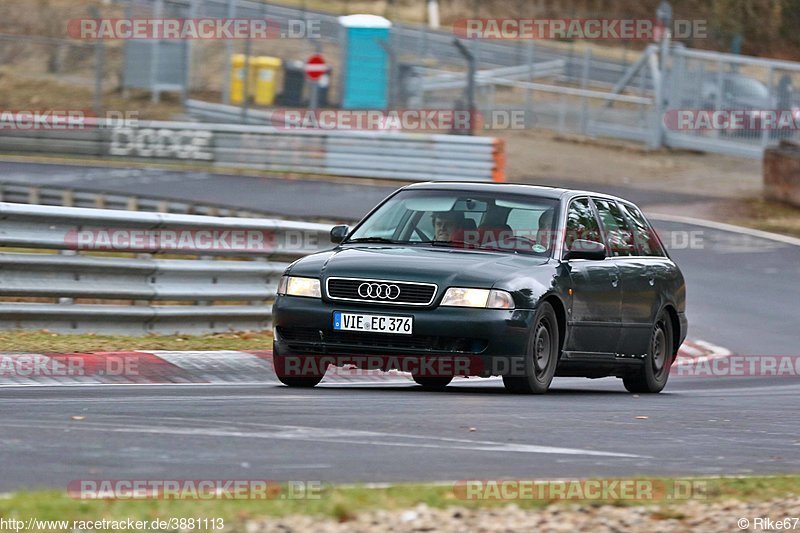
column 485, row 340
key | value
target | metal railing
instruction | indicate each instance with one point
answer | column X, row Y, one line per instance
column 127, row 288
column 367, row 154
column 70, row 197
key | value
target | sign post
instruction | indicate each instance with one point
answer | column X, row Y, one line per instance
column 315, row 69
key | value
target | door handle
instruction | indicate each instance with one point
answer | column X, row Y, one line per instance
column 615, row 281
column 651, row 281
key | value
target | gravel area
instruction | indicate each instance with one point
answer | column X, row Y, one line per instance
column 721, row 516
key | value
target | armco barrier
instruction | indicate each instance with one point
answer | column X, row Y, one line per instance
column 117, row 293
column 367, row 154
column 70, row 197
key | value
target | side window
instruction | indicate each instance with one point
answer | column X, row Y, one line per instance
column 646, row 241
column 618, row 232
column 581, row 223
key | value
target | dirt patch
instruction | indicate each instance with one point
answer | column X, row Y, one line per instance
column 546, row 158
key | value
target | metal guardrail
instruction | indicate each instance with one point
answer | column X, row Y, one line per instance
column 367, row 154
column 70, row 197
column 117, row 293
column 225, row 114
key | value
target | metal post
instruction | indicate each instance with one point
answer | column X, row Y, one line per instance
column 530, row 54
column 155, row 52
column 718, row 95
column 187, row 52
column 470, row 83
column 664, row 17
column 314, row 84
column 764, row 130
column 226, row 85
column 392, row 72
column 248, row 44
column 587, row 58
column 99, row 68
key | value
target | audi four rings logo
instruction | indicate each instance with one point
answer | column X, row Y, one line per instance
column 384, row 291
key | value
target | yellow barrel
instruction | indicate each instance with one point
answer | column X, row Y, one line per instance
column 264, row 71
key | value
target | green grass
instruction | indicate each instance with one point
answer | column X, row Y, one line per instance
column 342, row 503
column 45, row 341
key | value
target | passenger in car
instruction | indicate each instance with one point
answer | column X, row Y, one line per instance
column 544, row 235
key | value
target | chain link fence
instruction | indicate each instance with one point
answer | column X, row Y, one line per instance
column 567, row 87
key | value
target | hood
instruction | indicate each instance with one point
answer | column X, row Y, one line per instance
column 447, row 267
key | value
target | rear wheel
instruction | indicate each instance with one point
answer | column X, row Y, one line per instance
column 542, row 354
column 431, row 383
column 652, row 378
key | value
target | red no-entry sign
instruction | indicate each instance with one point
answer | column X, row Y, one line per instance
column 316, row 67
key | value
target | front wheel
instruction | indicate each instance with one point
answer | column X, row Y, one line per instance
column 652, row 378
column 432, row 383
column 291, row 372
column 300, row 383
column 542, row 354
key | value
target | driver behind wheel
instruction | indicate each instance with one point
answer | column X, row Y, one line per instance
column 448, row 226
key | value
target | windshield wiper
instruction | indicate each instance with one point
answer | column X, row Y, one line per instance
column 447, row 243
column 383, row 240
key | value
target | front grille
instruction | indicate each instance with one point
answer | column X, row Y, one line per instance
column 380, row 291
column 301, row 338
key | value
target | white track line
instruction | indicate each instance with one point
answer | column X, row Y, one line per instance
column 785, row 239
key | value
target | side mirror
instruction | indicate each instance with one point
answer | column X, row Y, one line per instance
column 338, row 233
column 583, row 249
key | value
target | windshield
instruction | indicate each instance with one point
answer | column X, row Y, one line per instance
column 461, row 219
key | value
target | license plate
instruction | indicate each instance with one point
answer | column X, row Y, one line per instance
column 401, row 325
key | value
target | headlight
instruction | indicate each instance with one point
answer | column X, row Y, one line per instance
column 295, row 286
column 483, row 298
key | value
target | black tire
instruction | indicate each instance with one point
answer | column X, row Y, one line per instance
column 431, row 383
column 653, row 376
column 300, row 383
column 305, row 381
column 542, row 355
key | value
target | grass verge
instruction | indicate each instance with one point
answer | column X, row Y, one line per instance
column 46, row 341
column 767, row 215
column 342, row 503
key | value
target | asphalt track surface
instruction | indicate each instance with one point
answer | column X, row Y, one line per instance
column 345, row 201
column 743, row 293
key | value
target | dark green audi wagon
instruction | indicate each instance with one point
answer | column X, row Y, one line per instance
column 446, row 279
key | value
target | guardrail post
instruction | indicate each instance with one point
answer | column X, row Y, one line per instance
column 587, row 57
column 764, row 130
column 226, row 80
column 68, row 198
column 530, row 54
column 470, row 57
column 99, row 67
